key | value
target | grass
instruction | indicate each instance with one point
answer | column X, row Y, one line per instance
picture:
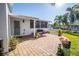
column 74, row 50
column 53, row 31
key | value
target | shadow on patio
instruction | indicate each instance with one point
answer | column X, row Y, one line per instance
column 27, row 37
column 44, row 46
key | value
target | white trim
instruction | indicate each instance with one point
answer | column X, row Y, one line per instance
column 7, row 28
column 28, row 17
column 7, row 21
column 34, row 28
column 1, row 39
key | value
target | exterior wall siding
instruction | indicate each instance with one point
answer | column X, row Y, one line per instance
column 7, row 26
column 3, row 25
column 24, row 27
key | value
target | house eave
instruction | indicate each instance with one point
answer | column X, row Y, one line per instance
column 26, row 17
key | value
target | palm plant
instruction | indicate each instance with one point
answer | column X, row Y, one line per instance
column 65, row 20
column 69, row 18
column 76, row 6
column 55, row 25
column 59, row 20
column 77, row 15
column 76, row 11
column 71, row 14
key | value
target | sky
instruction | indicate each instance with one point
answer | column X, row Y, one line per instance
column 43, row 11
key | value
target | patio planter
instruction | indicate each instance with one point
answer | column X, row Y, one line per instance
column 12, row 48
column 37, row 35
column 59, row 32
column 13, row 43
column 60, row 51
column 65, row 42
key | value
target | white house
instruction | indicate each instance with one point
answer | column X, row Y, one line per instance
column 20, row 25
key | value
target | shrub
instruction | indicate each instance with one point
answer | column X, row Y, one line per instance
column 60, row 51
column 71, row 32
column 13, row 43
column 60, row 32
column 48, row 32
column 37, row 35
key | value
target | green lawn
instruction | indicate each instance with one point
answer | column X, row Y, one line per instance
column 74, row 51
column 53, row 31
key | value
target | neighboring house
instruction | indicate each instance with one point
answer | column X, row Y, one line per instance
column 19, row 25
column 75, row 25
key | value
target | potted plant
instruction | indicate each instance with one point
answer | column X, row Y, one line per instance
column 13, row 43
column 59, row 32
column 37, row 35
column 60, row 51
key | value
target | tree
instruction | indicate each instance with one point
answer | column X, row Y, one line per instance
column 55, row 25
column 59, row 20
column 69, row 18
column 76, row 11
column 71, row 14
column 65, row 21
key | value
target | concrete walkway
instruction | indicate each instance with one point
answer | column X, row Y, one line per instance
column 44, row 46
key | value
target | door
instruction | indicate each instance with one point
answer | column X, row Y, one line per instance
column 1, row 47
column 16, row 27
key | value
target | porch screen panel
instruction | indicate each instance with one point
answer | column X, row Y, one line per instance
column 31, row 24
column 37, row 24
column 45, row 24
column 42, row 24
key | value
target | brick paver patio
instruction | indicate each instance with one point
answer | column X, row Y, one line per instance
column 44, row 46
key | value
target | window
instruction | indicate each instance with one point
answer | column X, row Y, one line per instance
column 31, row 24
column 1, row 44
column 37, row 24
column 23, row 21
column 43, row 24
